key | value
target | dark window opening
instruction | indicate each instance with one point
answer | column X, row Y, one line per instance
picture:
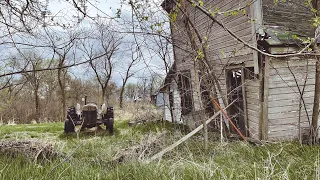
column 235, row 94
column 205, row 89
column 171, row 103
column 184, row 84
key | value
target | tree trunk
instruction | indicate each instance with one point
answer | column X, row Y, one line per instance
column 37, row 106
column 103, row 97
column 121, row 93
column 121, row 99
column 63, row 95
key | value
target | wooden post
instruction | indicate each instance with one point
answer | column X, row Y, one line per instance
column 244, row 102
column 221, row 127
column 264, row 122
column 316, row 100
column 256, row 25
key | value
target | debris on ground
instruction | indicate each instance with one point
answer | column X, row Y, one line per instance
column 151, row 144
column 31, row 149
column 146, row 116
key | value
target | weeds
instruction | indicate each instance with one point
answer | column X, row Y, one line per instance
column 95, row 158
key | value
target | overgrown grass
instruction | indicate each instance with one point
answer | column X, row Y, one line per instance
column 94, row 157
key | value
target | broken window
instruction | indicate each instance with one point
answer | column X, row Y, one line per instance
column 184, row 84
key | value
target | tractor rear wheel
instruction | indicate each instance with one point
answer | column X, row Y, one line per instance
column 68, row 126
column 109, row 125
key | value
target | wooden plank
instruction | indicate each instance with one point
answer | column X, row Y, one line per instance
column 253, row 82
column 286, row 15
column 288, row 114
column 295, row 70
column 252, row 113
column 289, row 108
column 290, row 78
column 225, row 36
column 169, row 148
column 253, row 107
column 238, row 28
column 293, row 120
column 220, row 63
column 290, row 84
column 253, row 95
column 285, row 127
column 253, row 117
column 264, row 125
column 253, row 89
column 254, row 123
column 256, row 14
column 294, row 90
column 284, row 135
column 224, row 6
column 226, row 41
column 293, row 101
column 278, row 97
column 225, row 51
column 253, row 101
column 291, row 62
column 235, row 22
column 244, row 102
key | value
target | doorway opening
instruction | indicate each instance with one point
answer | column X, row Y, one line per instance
column 235, row 93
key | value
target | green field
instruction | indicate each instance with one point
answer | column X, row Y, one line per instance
column 98, row 155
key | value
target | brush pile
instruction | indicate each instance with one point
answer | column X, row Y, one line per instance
column 147, row 147
column 30, row 149
column 145, row 115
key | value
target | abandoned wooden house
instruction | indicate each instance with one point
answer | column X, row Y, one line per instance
column 265, row 91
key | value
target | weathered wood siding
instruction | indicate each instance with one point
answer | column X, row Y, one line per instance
column 253, row 106
column 176, row 109
column 284, row 97
column 167, row 113
column 290, row 15
column 223, row 49
column 163, row 103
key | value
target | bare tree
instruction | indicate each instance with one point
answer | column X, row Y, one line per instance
column 34, row 78
column 128, row 74
column 108, row 45
column 63, row 48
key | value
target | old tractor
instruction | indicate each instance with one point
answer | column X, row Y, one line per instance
column 89, row 116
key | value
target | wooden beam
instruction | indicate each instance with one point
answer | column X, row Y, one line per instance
column 244, row 102
column 172, row 146
column 256, row 13
column 264, row 125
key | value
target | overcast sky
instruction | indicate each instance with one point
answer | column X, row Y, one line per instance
column 65, row 12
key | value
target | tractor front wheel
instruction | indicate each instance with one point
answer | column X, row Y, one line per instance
column 68, row 126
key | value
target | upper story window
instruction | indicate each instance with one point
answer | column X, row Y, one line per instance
column 185, row 87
